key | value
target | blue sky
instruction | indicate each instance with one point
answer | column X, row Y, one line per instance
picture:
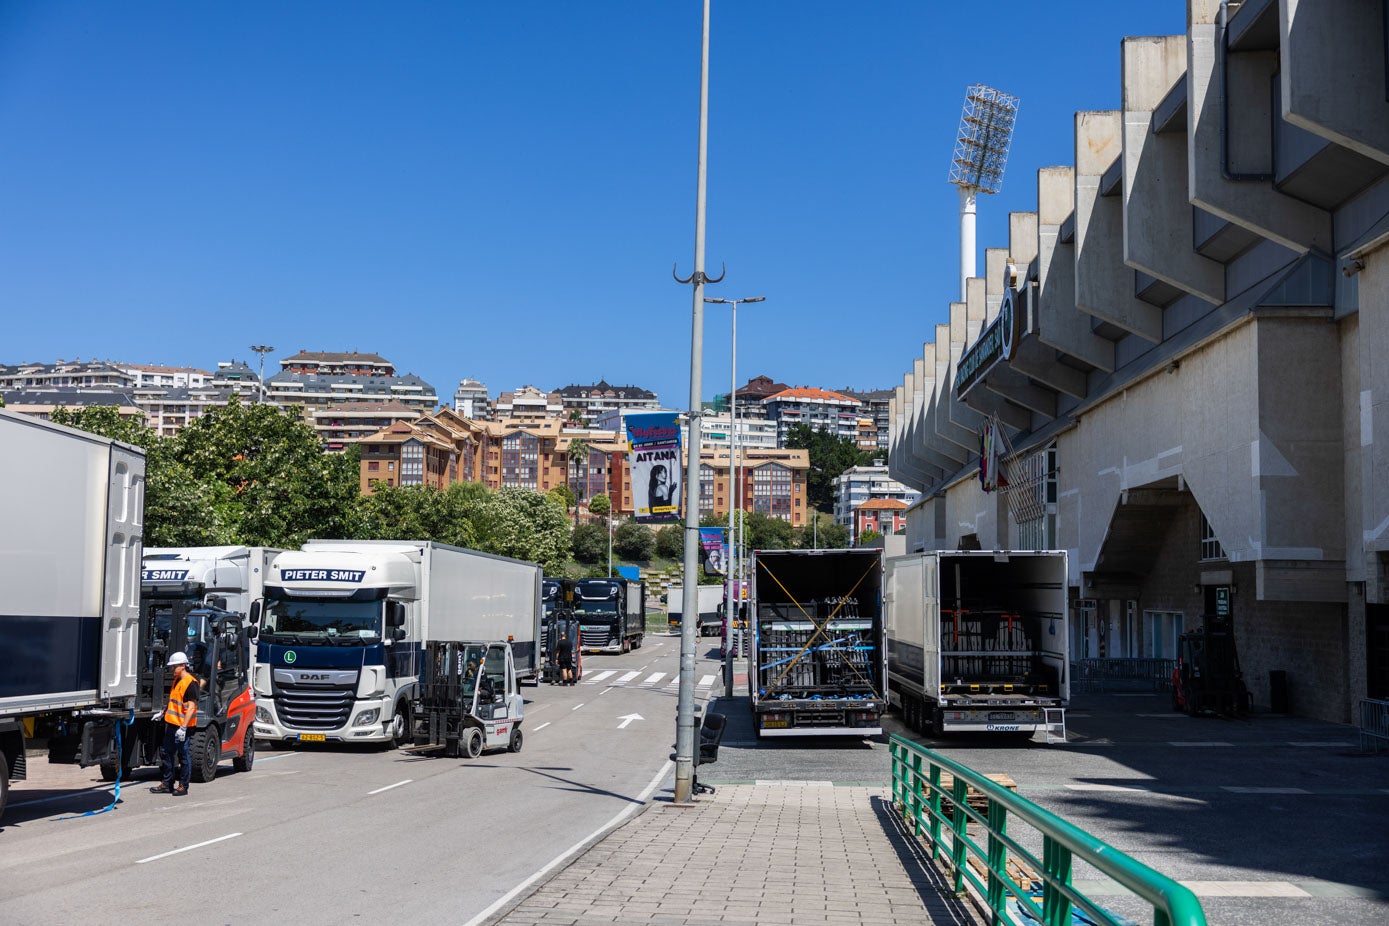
column 500, row 190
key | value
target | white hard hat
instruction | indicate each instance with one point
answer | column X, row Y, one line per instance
column 177, row 659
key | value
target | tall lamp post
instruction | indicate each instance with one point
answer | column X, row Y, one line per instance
column 734, row 595
column 262, row 349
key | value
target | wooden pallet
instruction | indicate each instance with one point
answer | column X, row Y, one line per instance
column 976, row 799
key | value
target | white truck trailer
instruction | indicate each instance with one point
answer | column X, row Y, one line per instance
column 977, row 639
column 344, row 622
column 228, row 577
column 710, row 609
column 73, row 504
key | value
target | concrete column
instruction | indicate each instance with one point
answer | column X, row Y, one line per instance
column 964, row 432
column 1059, row 324
column 898, row 460
column 908, row 461
column 1104, row 284
column 923, row 453
column 1331, row 65
column 926, row 444
column 1158, row 231
column 1239, row 119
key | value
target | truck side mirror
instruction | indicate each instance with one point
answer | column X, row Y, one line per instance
column 257, row 607
column 217, row 601
column 252, row 632
column 395, row 614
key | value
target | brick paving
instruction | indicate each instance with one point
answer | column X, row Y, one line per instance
column 776, row 853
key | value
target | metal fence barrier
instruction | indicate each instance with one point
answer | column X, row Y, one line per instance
column 1122, row 674
column 1374, row 725
column 943, row 815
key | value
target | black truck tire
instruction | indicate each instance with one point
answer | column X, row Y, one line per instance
column 515, row 744
column 247, row 759
column 205, row 751
column 400, row 725
column 472, row 743
column 130, row 741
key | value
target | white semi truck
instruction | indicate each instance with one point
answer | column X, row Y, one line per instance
column 709, row 606
column 343, row 625
column 228, row 577
column 73, row 505
column 977, row 639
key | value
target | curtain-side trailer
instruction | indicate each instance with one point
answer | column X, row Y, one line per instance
column 70, row 569
column 977, row 639
column 816, row 660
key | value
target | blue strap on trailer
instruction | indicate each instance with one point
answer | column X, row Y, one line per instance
column 120, row 767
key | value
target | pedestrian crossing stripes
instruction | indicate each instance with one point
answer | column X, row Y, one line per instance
column 629, row 680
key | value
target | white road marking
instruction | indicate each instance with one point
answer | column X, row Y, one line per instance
column 577, row 706
column 560, row 859
column 627, row 678
column 1104, row 788
column 1245, row 889
column 628, row 718
column 186, row 848
column 604, row 691
column 599, row 677
column 283, row 755
column 707, row 681
column 652, row 679
column 542, row 726
column 1327, row 744
column 1211, row 743
column 389, row 787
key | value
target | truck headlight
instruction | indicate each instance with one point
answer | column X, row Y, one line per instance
column 262, row 714
column 367, row 718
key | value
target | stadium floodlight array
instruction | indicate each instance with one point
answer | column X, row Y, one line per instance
column 981, row 154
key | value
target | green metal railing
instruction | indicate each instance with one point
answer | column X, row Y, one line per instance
column 943, row 818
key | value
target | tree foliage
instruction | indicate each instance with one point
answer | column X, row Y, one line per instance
column 563, row 495
column 590, row 543
column 824, row 533
column 600, row 505
column 869, row 537
column 633, row 541
column 670, row 542
column 829, row 457
column 522, row 524
column 420, row 513
column 763, row 532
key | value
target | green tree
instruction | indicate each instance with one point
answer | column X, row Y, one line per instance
column 524, row 525
column 600, row 505
column 563, row 495
column 590, row 543
column 419, row 513
column 768, row 533
column 824, row 533
column 869, row 537
column 670, row 542
column 633, row 541
column 829, row 457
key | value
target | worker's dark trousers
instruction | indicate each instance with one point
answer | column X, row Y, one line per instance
column 173, row 752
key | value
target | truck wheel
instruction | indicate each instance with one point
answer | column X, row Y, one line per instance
column 400, row 726
column 472, row 743
column 243, row 762
column 205, row 751
column 126, row 765
column 937, row 723
column 515, row 744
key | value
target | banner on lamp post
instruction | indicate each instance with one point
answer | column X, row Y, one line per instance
column 653, row 459
column 713, row 550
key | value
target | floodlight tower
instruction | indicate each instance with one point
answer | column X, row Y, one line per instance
column 981, row 153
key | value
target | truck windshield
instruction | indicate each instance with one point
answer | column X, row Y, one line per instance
column 323, row 623
column 606, row 606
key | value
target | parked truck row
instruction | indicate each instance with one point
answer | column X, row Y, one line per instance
column 709, row 609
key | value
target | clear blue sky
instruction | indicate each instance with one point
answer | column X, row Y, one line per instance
column 500, row 190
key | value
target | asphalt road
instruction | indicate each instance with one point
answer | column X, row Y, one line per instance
column 328, row 835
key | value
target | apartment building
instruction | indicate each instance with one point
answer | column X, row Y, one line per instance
column 858, row 485
column 884, row 515
column 1169, row 353
column 770, row 481
column 348, row 422
column 821, row 409
column 471, row 400
column 329, row 363
column 589, row 403
column 875, row 405
column 314, row 391
column 529, row 403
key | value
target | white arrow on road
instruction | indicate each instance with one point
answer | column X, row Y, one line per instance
column 628, row 719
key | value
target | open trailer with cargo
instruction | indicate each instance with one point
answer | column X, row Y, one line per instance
column 816, row 657
column 977, row 639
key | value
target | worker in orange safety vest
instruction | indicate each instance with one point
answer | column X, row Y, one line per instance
column 179, row 717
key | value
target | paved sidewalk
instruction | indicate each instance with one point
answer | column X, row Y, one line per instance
column 781, row 853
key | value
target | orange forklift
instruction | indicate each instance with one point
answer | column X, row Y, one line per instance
column 218, row 646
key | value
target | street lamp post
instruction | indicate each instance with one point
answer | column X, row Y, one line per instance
column 733, row 597
column 262, row 349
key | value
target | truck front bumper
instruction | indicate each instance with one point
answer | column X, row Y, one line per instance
column 370, row 722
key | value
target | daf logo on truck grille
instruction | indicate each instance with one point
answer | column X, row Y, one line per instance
column 313, row 676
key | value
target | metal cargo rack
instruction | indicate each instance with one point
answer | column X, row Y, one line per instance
column 816, row 649
column 991, row 651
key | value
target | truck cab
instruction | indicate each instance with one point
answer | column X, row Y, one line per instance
column 338, row 651
column 612, row 614
column 468, row 700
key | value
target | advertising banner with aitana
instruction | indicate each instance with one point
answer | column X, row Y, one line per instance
column 653, row 458
column 713, row 549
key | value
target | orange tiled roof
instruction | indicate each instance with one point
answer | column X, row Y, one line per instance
column 888, row 504
column 810, row 392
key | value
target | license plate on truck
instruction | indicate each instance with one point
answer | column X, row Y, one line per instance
column 1002, row 716
column 312, row 738
column 769, row 724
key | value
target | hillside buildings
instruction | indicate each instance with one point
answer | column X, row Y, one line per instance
column 588, row 403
